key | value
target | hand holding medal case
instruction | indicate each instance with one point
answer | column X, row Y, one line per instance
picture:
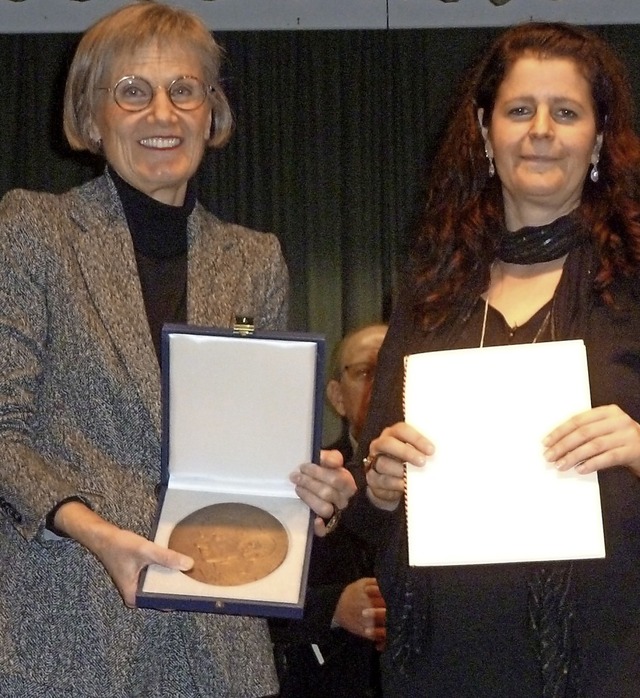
column 240, row 413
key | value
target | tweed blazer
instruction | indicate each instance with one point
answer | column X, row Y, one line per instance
column 80, row 414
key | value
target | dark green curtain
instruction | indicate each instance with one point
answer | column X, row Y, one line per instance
column 334, row 132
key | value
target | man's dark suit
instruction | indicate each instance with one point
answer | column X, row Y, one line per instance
column 350, row 662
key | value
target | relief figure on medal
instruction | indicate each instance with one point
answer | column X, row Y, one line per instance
column 232, row 543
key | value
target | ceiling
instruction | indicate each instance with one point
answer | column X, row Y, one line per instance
column 24, row 16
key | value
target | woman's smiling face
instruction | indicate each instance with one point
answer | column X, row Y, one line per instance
column 543, row 137
column 158, row 149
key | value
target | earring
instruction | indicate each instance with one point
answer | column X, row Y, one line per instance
column 492, row 167
column 594, row 175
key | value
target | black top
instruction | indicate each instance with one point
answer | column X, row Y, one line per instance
column 159, row 234
column 468, row 634
column 350, row 665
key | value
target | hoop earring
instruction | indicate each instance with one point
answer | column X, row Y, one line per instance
column 594, row 175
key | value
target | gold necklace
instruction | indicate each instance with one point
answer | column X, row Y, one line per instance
column 545, row 323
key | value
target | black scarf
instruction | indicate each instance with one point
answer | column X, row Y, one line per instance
column 543, row 243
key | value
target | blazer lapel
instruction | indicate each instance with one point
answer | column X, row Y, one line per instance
column 105, row 254
column 214, row 274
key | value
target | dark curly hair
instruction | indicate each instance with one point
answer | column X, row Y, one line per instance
column 455, row 241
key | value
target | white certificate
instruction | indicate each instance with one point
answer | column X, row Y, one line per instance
column 487, row 495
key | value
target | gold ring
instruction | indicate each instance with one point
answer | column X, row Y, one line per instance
column 369, row 463
column 333, row 522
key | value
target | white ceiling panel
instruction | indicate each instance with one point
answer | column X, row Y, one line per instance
column 483, row 13
column 227, row 15
column 221, row 15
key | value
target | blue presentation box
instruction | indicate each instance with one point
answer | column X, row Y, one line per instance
column 240, row 413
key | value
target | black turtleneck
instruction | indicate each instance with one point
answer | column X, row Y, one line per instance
column 159, row 235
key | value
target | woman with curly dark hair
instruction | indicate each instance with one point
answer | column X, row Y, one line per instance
column 530, row 233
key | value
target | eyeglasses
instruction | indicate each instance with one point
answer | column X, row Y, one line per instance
column 133, row 93
column 360, row 372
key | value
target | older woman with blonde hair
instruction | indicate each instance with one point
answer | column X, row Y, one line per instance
column 87, row 280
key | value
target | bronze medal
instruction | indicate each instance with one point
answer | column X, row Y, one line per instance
column 231, row 543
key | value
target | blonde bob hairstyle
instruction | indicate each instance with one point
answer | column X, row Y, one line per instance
column 123, row 32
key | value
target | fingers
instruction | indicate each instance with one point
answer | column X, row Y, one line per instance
column 325, row 487
column 125, row 554
column 148, row 553
column 323, row 497
column 385, row 480
column 373, row 619
column 320, row 528
column 573, row 431
column 375, row 597
column 330, row 458
column 374, row 625
column 600, row 438
column 137, row 552
column 385, row 491
column 371, row 586
column 168, row 558
column 402, row 443
column 361, row 613
column 384, row 466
